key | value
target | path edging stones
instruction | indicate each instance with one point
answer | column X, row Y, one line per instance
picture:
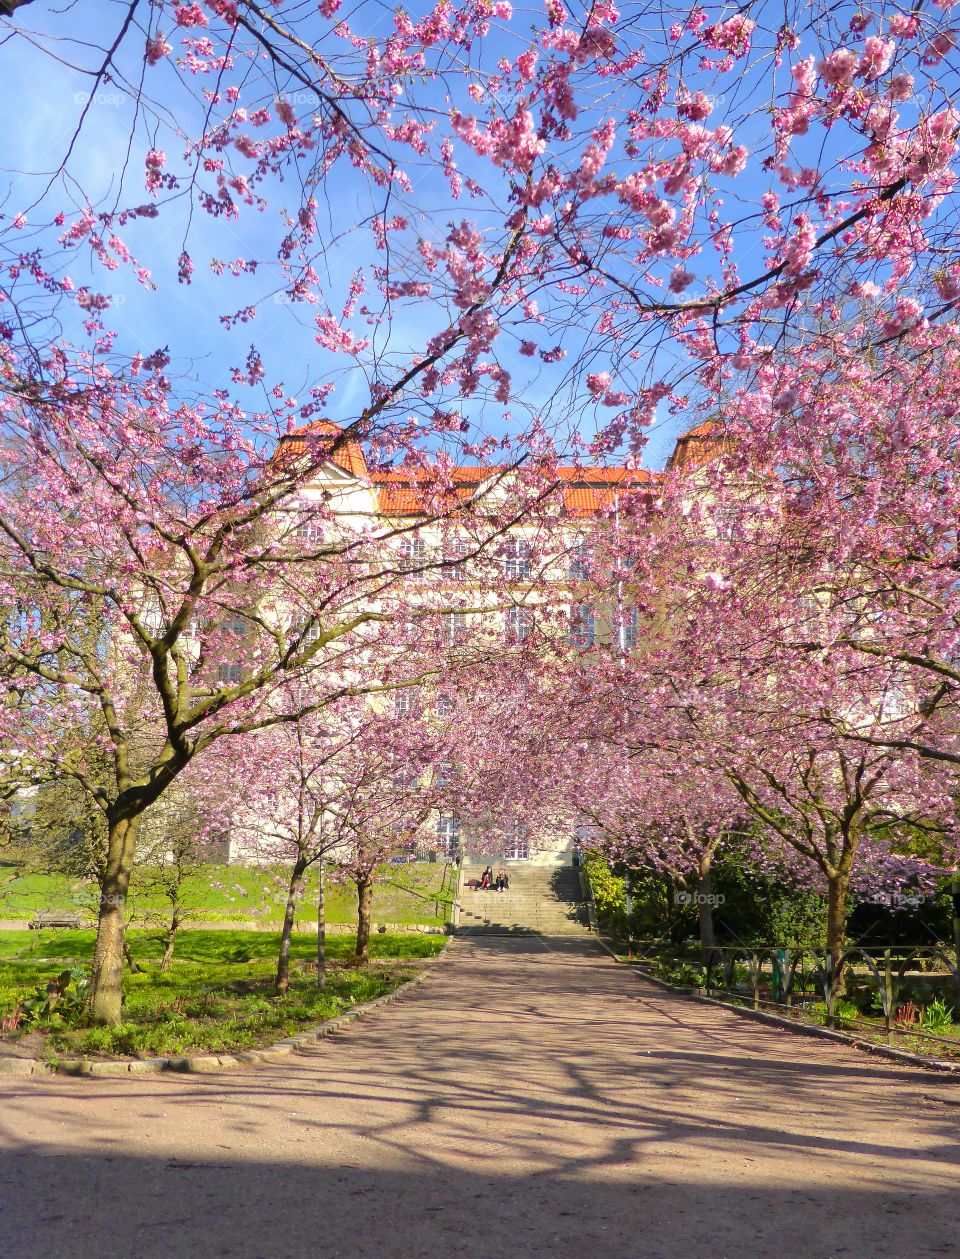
column 207, row 1064
column 793, row 1025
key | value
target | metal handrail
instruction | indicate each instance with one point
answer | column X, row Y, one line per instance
column 788, row 964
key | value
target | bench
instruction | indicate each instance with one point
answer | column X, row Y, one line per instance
column 54, row 918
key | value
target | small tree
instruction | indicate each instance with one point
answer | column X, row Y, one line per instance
column 171, row 858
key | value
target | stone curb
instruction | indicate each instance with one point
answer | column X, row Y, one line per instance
column 208, row 1064
column 801, row 1029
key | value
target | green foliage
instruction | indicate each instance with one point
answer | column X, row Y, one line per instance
column 797, row 919
column 170, row 1020
column 217, row 996
column 937, row 1017
column 682, row 974
column 52, row 1001
column 609, row 894
column 403, row 895
column 845, row 1012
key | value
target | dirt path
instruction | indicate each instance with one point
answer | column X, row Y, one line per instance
column 526, row 1101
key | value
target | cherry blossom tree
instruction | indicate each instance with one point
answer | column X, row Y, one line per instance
column 668, row 207
column 307, row 793
column 179, row 537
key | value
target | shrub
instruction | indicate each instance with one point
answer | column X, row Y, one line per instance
column 609, row 894
column 937, row 1018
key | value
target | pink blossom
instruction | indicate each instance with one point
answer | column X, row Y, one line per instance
column 947, row 283
column 900, row 87
column 939, row 47
column 732, row 36
column 902, row 25
column 877, row 55
column 695, row 107
column 526, row 64
column 838, row 68
column 157, row 49
column 154, row 162
column 189, row 14
column 556, row 13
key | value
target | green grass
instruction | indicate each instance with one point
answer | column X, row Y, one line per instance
column 405, row 895
column 217, row 995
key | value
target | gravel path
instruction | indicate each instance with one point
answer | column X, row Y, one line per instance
column 531, row 1099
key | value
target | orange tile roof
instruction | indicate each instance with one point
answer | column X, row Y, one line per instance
column 403, row 492
column 698, row 446
column 347, row 455
column 589, row 490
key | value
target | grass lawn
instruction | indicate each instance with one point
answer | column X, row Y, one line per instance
column 216, row 997
column 405, row 895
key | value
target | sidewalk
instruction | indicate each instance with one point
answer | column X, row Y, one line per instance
column 531, row 1099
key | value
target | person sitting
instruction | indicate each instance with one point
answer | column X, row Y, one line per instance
column 502, row 882
column 486, row 879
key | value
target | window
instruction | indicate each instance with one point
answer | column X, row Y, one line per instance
column 516, row 559
column 413, row 553
column 519, row 624
column 579, row 565
column 308, row 528
column 582, row 629
column 307, row 632
column 518, row 843
column 454, row 553
column 229, row 673
column 454, row 628
column 405, row 778
column 444, row 705
column 448, row 835
column 404, row 704
column 629, row 627
column 445, row 775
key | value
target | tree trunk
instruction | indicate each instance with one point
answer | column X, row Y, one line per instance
column 705, row 904
column 131, row 961
column 321, row 929
column 106, row 993
column 294, row 893
column 169, row 943
column 364, row 906
column 838, row 887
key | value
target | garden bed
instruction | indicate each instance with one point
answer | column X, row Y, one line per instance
column 217, row 996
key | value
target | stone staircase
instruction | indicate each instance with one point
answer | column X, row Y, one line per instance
column 545, row 900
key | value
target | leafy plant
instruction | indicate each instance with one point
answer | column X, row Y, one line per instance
column 906, row 1015
column 59, row 1000
column 683, row 974
column 937, row 1017
column 845, row 1012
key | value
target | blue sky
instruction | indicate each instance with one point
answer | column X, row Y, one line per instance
column 48, row 92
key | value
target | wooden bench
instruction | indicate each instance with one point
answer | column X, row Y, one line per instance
column 54, row 918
